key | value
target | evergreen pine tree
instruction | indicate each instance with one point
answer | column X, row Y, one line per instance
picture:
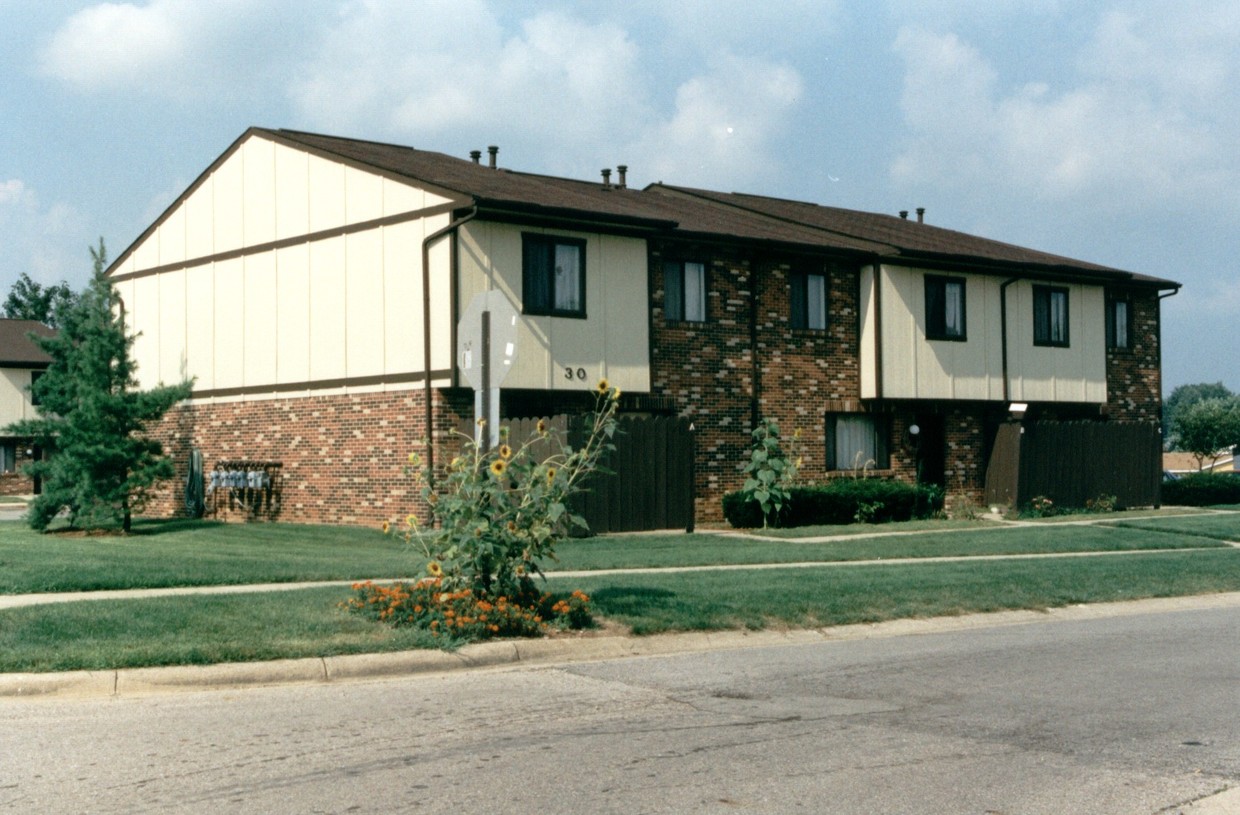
column 93, row 418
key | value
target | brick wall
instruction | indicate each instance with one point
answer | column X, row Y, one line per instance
column 16, row 482
column 342, row 458
column 1134, row 375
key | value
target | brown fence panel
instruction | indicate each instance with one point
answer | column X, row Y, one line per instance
column 650, row 483
column 1073, row 462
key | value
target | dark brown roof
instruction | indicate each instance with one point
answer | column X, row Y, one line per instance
column 677, row 211
column 17, row 350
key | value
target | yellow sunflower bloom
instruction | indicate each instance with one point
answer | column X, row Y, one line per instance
column 386, row 527
column 603, row 386
column 550, row 474
column 505, row 452
column 434, row 569
column 498, row 466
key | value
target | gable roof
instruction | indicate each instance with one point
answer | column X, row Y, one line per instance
column 17, row 350
column 673, row 211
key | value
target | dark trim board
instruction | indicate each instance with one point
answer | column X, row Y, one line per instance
column 321, row 384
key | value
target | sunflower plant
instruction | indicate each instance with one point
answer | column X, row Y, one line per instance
column 496, row 515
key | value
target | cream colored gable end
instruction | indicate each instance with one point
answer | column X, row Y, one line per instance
column 262, row 192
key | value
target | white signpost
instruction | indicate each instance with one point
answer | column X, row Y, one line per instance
column 487, row 333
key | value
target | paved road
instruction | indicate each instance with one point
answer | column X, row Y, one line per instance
column 1126, row 715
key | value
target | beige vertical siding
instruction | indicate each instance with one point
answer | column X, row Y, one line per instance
column 329, row 309
column 15, row 396
column 612, row 342
column 914, row 367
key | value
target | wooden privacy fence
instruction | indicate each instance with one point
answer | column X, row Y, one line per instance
column 1073, row 462
column 650, row 485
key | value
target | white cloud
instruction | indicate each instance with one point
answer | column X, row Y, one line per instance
column 725, row 125
column 48, row 242
column 568, row 90
column 1131, row 124
column 119, row 43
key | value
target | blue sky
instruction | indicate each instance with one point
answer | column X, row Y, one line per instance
column 1105, row 130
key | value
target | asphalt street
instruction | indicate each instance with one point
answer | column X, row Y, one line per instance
column 1126, row 714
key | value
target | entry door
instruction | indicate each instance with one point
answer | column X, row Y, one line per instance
column 931, row 450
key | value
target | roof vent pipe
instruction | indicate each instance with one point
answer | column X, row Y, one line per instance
column 476, row 155
column 904, row 214
column 921, row 215
column 622, row 170
column 494, row 152
column 606, row 179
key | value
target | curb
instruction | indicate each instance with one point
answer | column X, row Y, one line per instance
column 354, row 667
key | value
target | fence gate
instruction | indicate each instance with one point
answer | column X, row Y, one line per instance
column 1072, row 462
column 650, row 486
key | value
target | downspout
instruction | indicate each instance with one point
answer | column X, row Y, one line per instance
column 1003, row 335
column 426, row 333
column 1158, row 317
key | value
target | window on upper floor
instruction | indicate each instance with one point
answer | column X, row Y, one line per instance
column 945, row 308
column 1119, row 313
column 808, row 294
column 684, row 291
column 1050, row 316
column 857, row 441
column 34, row 395
column 553, row 276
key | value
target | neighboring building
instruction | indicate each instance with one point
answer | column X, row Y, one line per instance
column 21, row 362
column 1179, row 464
column 312, row 285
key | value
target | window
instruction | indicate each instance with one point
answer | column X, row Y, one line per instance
column 856, row 441
column 809, row 300
column 1118, row 316
column 684, row 286
column 34, row 377
column 1050, row 316
column 553, row 278
column 945, row 308
column 8, row 457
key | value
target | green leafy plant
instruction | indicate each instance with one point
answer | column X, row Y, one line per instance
column 1041, row 506
column 769, row 473
column 93, row 417
column 868, row 512
column 1101, row 503
column 497, row 514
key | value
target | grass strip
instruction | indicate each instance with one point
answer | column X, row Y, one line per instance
column 1218, row 527
column 226, row 628
column 196, row 553
column 655, row 551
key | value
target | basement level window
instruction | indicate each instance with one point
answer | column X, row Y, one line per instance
column 684, row 286
column 808, row 296
column 1050, row 316
column 553, row 275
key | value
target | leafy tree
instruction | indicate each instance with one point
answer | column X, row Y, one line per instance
column 1207, row 427
column 1183, row 397
column 94, row 418
column 29, row 300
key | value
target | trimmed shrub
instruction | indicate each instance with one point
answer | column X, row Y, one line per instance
column 1202, row 490
column 842, row 501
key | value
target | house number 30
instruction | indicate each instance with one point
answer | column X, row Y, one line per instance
column 579, row 373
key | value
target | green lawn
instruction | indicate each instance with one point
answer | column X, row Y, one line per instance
column 309, row 622
column 195, row 553
column 207, row 629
